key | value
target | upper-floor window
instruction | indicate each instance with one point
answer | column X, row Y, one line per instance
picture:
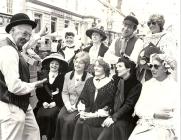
column 38, row 19
column 9, row 6
column 53, row 24
column 66, row 23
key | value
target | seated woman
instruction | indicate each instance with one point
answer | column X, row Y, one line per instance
column 49, row 96
column 156, row 106
column 120, row 124
column 95, row 103
column 73, row 85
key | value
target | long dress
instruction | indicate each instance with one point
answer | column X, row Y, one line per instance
column 66, row 120
column 124, row 123
column 90, row 129
column 46, row 117
column 156, row 96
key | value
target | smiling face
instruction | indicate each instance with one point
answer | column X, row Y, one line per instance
column 157, row 69
column 128, row 28
column 69, row 39
column 99, row 70
column 96, row 37
column 54, row 66
column 21, row 34
column 154, row 27
column 79, row 65
column 121, row 69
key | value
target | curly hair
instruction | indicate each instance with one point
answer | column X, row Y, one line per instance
column 105, row 66
column 128, row 64
column 159, row 19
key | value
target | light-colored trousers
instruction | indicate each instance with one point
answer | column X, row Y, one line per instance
column 16, row 125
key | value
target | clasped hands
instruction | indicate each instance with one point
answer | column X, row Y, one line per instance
column 49, row 105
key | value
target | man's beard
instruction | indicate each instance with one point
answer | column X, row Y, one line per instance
column 20, row 43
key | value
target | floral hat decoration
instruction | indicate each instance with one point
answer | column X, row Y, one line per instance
column 168, row 62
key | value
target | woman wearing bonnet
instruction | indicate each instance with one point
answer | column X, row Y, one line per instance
column 157, row 38
column 49, row 96
column 157, row 106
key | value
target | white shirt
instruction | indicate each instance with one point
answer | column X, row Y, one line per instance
column 9, row 66
column 111, row 58
column 93, row 53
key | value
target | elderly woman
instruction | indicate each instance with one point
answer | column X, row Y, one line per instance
column 158, row 38
column 73, row 85
column 156, row 106
column 49, row 96
column 95, row 103
column 119, row 125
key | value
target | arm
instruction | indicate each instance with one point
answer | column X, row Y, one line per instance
column 65, row 93
column 137, row 49
column 129, row 102
column 9, row 66
column 110, row 56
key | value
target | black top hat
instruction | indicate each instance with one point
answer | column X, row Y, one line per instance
column 18, row 19
column 97, row 30
column 132, row 18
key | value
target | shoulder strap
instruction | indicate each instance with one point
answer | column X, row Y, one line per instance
column 160, row 39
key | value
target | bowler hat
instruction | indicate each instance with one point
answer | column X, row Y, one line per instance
column 132, row 19
column 97, row 30
column 18, row 19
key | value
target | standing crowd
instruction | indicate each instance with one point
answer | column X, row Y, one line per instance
column 127, row 91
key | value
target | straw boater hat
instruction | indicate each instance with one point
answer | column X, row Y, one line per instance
column 58, row 57
column 18, row 19
column 97, row 30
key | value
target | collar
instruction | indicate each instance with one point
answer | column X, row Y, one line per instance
column 53, row 74
column 12, row 40
column 129, row 37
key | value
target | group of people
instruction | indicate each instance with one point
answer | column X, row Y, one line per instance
column 79, row 98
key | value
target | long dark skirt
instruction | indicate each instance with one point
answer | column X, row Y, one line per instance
column 46, row 119
column 120, row 130
column 85, row 131
column 65, row 125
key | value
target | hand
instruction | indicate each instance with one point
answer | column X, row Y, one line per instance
column 107, row 122
column 81, row 106
column 55, row 92
column 40, row 82
column 52, row 104
column 102, row 113
column 44, row 31
column 70, row 108
column 87, row 115
column 45, row 105
column 164, row 114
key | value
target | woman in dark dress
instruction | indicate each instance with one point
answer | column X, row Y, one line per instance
column 49, row 96
column 120, row 124
column 95, row 103
column 73, row 85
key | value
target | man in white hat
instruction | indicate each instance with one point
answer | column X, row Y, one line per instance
column 17, row 121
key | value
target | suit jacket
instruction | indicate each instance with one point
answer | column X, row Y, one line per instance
column 71, row 92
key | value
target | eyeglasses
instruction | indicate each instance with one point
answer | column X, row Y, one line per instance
column 154, row 65
column 151, row 22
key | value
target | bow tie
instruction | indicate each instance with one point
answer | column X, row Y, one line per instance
column 99, row 79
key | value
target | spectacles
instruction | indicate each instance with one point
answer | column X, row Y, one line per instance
column 151, row 22
column 154, row 65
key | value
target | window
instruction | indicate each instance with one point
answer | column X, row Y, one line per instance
column 38, row 19
column 9, row 6
column 53, row 24
column 77, row 27
column 66, row 24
